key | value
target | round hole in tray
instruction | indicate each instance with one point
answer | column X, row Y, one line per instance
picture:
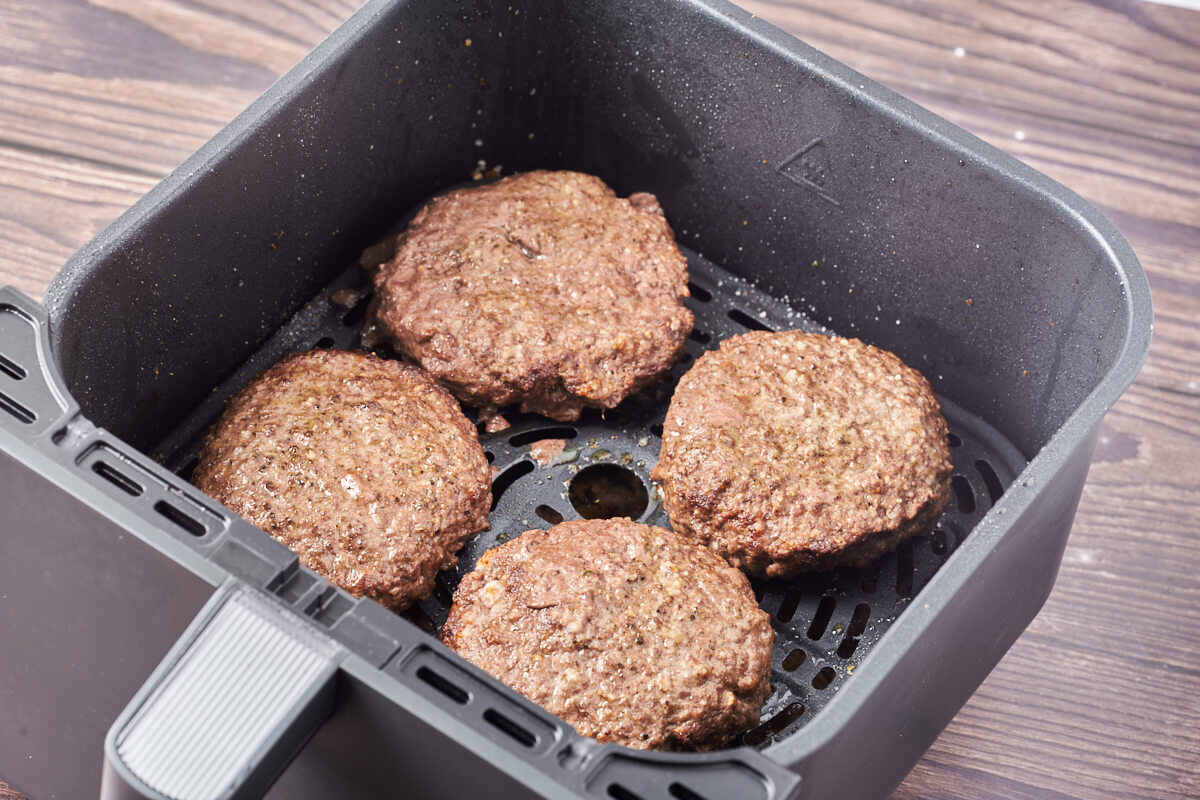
column 604, row 491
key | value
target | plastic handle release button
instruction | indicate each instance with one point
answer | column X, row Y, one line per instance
column 228, row 708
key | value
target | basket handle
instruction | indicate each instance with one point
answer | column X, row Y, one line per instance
column 227, row 709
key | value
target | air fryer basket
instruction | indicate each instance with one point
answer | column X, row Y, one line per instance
column 804, row 195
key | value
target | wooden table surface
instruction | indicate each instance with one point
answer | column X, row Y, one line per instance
column 1101, row 696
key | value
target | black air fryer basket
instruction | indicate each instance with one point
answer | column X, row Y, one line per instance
column 149, row 620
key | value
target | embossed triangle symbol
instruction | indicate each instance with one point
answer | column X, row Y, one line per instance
column 809, row 167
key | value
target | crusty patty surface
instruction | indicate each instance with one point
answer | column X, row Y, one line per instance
column 543, row 289
column 366, row 468
column 787, row 452
column 629, row 632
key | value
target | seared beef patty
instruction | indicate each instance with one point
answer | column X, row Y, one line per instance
column 628, row 632
column 366, row 468
column 786, row 452
column 543, row 289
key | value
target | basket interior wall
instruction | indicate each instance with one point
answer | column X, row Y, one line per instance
column 825, row 623
column 774, row 166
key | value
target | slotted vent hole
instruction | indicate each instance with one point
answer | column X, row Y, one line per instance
column 11, row 368
column 190, row 467
column 870, row 577
column 682, row 792
column 442, row 594
column 514, row 730
column 549, row 514
column 324, row 343
column 621, row 793
column 904, row 569
column 699, row 292
column 964, row 495
column 292, row 587
column 444, row 685
column 331, row 609
column 953, row 440
column 700, row 336
column 489, row 455
column 181, row 518
column 16, row 409
column 823, row 678
column 747, row 321
column 794, row 660
column 787, row 715
column 117, row 478
column 938, row 543
column 847, row 647
column 991, row 480
column 821, row 620
column 528, row 437
column 858, row 624
column 507, row 478
column 787, row 608
column 319, row 601
column 417, row 616
column 657, row 429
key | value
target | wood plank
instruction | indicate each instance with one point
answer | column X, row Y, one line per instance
column 140, row 124
column 1101, row 66
column 143, row 84
column 51, row 206
column 1067, row 758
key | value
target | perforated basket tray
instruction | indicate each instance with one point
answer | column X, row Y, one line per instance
column 805, row 196
column 825, row 623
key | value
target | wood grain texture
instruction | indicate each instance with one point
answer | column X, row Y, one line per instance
column 1101, row 697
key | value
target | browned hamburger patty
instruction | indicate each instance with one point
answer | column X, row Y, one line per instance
column 787, row 452
column 628, row 632
column 366, row 468
column 543, row 289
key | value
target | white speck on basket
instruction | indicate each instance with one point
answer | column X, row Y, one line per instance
column 1019, row 136
column 959, row 52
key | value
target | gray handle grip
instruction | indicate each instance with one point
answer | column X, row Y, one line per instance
column 228, row 708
